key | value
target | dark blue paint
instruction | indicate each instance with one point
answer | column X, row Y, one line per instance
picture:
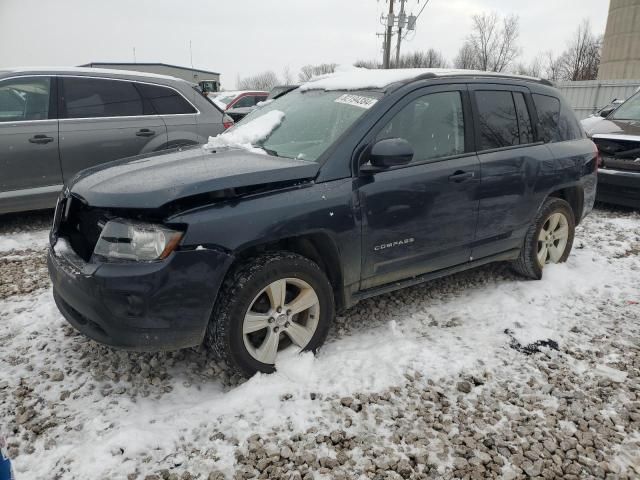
column 444, row 216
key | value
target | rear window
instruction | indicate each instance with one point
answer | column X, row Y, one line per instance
column 92, row 97
column 556, row 123
column 165, row 101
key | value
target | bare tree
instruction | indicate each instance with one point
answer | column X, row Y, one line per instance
column 493, row 42
column 372, row 64
column 466, row 58
column 534, row 68
column 421, row 59
column 287, row 76
column 582, row 58
column 309, row 71
column 429, row 59
column 552, row 66
column 261, row 81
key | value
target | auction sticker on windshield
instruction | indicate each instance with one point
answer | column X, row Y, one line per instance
column 356, row 100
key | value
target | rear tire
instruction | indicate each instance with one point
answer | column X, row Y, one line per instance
column 268, row 303
column 550, row 237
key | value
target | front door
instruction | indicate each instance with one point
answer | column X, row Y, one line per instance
column 422, row 217
column 28, row 137
column 102, row 120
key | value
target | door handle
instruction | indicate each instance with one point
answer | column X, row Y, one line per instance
column 40, row 139
column 459, row 176
column 145, row 132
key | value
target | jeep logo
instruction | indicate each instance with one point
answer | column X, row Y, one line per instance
column 397, row 243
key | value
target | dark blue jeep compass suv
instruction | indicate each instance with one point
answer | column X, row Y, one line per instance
column 352, row 185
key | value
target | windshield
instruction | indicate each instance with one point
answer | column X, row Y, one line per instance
column 312, row 121
column 226, row 99
column 629, row 110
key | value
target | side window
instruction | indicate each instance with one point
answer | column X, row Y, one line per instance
column 24, row 99
column 165, row 101
column 524, row 119
column 246, row 101
column 259, row 98
column 433, row 124
column 548, row 109
column 498, row 119
column 94, row 98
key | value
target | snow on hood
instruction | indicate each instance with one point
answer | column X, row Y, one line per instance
column 589, row 122
column 354, row 78
column 248, row 134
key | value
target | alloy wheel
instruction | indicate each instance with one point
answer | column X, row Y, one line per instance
column 553, row 238
column 286, row 311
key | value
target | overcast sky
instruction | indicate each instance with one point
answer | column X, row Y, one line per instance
column 241, row 37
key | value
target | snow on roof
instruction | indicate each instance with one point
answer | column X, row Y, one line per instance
column 110, row 71
column 353, row 78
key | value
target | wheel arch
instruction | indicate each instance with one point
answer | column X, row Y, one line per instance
column 318, row 247
column 574, row 196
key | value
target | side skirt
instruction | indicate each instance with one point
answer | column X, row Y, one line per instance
column 390, row 287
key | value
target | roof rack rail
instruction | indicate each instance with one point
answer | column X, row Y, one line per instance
column 430, row 76
column 425, row 76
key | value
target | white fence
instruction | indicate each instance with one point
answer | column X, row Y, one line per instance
column 588, row 96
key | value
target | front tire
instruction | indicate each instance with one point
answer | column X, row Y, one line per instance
column 266, row 304
column 548, row 240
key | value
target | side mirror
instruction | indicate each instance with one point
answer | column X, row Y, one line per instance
column 390, row 152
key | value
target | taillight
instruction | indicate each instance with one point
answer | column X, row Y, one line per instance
column 227, row 122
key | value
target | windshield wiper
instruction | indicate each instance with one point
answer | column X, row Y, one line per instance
column 271, row 152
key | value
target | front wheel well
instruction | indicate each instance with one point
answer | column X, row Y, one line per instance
column 574, row 196
column 317, row 247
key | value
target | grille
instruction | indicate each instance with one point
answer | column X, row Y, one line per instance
column 81, row 227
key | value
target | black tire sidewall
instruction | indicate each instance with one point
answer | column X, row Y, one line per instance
column 271, row 268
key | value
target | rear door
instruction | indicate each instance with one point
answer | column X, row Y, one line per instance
column 102, row 120
column 28, row 137
column 510, row 159
column 182, row 118
column 421, row 217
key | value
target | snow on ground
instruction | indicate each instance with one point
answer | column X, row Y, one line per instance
column 427, row 382
column 36, row 239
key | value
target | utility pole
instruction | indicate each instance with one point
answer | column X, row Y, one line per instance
column 387, row 41
column 401, row 21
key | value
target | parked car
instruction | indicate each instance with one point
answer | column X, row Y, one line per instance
column 618, row 139
column 56, row 122
column 279, row 90
column 409, row 176
column 238, row 104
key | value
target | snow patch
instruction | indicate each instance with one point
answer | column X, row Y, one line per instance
column 248, row 134
column 354, row 78
column 36, row 239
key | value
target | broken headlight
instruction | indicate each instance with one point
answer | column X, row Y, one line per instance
column 143, row 242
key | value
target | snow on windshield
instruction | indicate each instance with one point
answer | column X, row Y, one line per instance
column 354, row 78
column 248, row 134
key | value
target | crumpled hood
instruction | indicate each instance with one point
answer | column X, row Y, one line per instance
column 620, row 127
column 153, row 180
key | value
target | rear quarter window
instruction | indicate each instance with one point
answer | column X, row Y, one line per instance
column 557, row 123
column 165, row 101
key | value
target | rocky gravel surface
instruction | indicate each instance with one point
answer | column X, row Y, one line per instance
column 480, row 375
column 23, row 269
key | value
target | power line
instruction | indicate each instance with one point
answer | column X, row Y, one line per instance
column 422, row 10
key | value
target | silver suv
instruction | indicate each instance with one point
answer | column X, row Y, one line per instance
column 56, row 122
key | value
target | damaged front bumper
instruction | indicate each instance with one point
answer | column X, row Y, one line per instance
column 152, row 306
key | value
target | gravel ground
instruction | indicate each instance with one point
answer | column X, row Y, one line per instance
column 480, row 375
